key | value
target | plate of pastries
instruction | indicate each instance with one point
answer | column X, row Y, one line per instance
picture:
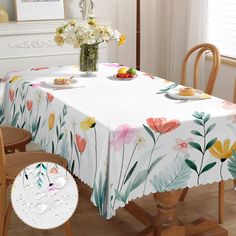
column 185, row 93
column 62, row 82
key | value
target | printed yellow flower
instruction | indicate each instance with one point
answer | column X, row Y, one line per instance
column 122, row 39
column 87, row 123
column 72, row 22
column 221, row 150
column 51, row 120
column 59, row 40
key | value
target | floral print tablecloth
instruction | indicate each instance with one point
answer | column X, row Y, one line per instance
column 124, row 138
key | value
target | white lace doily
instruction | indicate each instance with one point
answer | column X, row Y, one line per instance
column 44, row 195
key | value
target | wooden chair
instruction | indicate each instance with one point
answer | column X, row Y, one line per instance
column 10, row 167
column 201, row 48
column 15, row 139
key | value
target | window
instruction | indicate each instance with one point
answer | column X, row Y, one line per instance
column 221, row 30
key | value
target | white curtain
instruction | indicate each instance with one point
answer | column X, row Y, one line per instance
column 181, row 25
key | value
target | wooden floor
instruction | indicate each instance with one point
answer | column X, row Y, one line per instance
column 86, row 221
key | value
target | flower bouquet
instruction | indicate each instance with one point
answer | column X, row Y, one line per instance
column 87, row 36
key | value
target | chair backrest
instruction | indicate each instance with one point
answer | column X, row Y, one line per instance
column 234, row 98
column 2, row 184
column 214, row 70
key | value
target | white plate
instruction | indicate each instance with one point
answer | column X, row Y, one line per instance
column 72, row 84
column 174, row 93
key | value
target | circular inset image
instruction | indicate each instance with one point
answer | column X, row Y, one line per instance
column 44, row 195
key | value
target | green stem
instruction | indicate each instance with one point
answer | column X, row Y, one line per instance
column 149, row 163
column 135, row 147
column 203, row 154
column 96, row 154
column 221, row 167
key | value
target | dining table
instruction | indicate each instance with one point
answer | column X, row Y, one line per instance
column 127, row 138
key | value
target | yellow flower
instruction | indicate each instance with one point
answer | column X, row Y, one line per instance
column 51, row 120
column 59, row 40
column 87, row 123
column 72, row 22
column 59, row 30
column 222, row 150
column 122, row 39
column 92, row 22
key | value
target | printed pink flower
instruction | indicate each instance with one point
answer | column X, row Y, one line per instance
column 80, row 142
column 161, row 125
column 124, row 134
column 29, row 105
column 54, row 170
column 50, row 97
column 40, row 68
column 11, row 94
column 182, row 145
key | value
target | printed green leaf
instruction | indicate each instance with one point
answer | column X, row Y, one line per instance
column 210, row 128
column 119, row 196
column 139, row 179
column 57, row 131
column 198, row 122
column 61, row 136
column 127, row 192
column 191, row 165
column 15, row 119
column 211, row 143
column 202, row 114
column 195, row 132
column 154, row 163
column 150, row 133
column 208, row 167
column 73, row 166
column 206, row 118
column 197, row 115
column 71, row 139
column 130, row 172
column 172, row 177
column 38, row 166
column 232, row 165
column 53, row 147
column 44, row 167
column 196, row 146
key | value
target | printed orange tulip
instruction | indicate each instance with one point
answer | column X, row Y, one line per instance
column 11, row 94
column 29, row 105
column 222, row 151
column 50, row 97
column 161, row 125
column 54, row 170
column 80, row 142
column 51, row 120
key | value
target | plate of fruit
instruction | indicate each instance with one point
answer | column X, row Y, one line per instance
column 125, row 73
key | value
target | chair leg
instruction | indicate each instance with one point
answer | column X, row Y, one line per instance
column 221, row 202
column 183, row 195
column 235, row 184
column 67, row 228
column 7, row 219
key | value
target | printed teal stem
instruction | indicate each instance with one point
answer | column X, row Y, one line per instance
column 96, row 153
column 221, row 168
column 135, row 147
column 121, row 170
column 149, row 163
column 203, row 154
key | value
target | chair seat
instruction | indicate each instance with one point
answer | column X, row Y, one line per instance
column 15, row 138
column 16, row 162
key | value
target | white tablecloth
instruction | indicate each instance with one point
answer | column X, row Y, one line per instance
column 123, row 138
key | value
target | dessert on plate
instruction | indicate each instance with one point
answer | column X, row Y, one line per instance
column 187, row 91
column 61, row 81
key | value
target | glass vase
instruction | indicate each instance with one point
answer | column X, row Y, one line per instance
column 88, row 58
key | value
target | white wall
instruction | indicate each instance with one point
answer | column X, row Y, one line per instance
column 155, row 28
